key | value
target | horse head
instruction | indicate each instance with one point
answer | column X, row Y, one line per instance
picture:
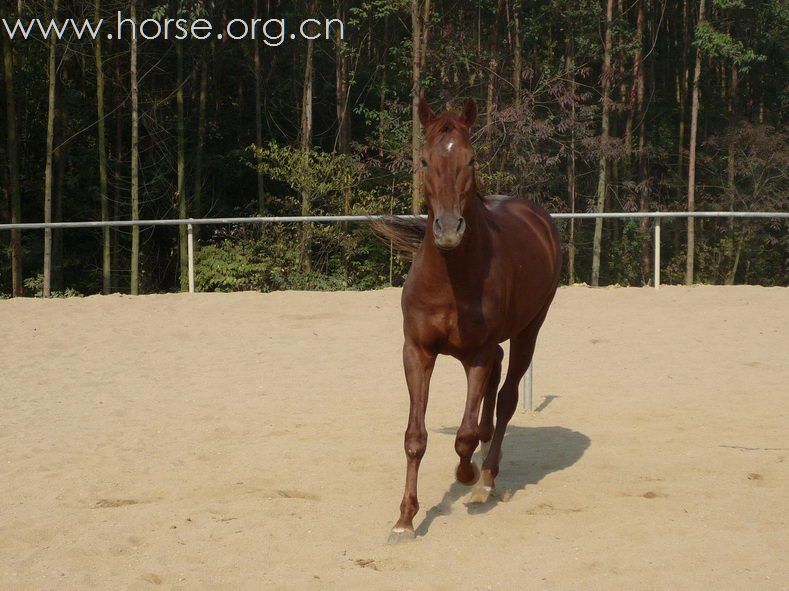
column 450, row 181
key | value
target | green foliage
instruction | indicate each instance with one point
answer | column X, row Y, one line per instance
column 267, row 259
column 314, row 172
column 719, row 45
column 729, row 4
column 378, row 9
column 523, row 146
column 230, row 266
column 35, row 285
column 624, row 258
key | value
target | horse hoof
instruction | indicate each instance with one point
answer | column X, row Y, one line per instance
column 400, row 535
column 481, row 494
column 462, row 473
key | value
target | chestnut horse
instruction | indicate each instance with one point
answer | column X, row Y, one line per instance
column 485, row 269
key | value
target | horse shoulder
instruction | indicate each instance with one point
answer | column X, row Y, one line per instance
column 425, row 312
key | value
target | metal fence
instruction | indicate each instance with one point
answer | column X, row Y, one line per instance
column 528, row 378
column 190, row 223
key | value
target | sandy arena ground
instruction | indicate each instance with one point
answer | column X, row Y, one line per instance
column 254, row 441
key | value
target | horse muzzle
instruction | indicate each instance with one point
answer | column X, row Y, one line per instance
column 448, row 231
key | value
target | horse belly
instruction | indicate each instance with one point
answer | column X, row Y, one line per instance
column 531, row 277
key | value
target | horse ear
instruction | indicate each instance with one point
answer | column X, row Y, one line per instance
column 426, row 114
column 469, row 114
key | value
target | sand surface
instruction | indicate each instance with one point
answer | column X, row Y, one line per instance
column 254, row 441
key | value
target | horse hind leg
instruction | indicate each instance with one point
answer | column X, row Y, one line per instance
column 521, row 353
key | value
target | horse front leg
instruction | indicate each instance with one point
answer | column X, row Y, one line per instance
column 480, row 371
column 418, row 363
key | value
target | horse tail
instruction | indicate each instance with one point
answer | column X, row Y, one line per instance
column 405, row 234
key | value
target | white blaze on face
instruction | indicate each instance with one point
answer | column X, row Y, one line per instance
column 449, row 145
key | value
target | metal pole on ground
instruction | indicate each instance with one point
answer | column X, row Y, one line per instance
column 190, row 245
column 657, row 253
column 527, row 388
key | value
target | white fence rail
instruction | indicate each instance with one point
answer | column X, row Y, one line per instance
column 528, row 378
column 369, row 218
column 190, row 223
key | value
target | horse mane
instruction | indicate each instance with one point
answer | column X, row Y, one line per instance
column 404, row 234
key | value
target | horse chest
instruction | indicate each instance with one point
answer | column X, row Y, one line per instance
column 466, row 327
column 453, row 327
column 453, row 314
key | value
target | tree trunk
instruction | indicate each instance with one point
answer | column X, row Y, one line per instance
column 730, row 185
column 258, row 113
column 61, row 162
column 49, row 160
column 682, row 93
column 425, row 30
column 416, row 92
column 135, row 157
column 490, row 102
column 642, row 180
column 384, row 65
column 202, row 102
column 570, row 70
column 736, row 262
column 517, row 66
column 106, row 266
column 17, row 288
column 601, row 181
column 636, row 78
column 732, row 135
column 694, row 119
column 306, row 145
column 119, row 101
column 343, row 141
column 183, row 262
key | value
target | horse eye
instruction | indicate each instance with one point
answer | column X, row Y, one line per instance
column 424, row 162
column 472, row 161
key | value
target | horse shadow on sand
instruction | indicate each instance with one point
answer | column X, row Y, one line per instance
column 530, row 454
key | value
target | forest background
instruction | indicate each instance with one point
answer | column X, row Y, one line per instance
column 585, row 105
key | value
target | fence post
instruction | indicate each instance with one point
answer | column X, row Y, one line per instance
column 527, row 388
column 191, row 250
column 657, row 253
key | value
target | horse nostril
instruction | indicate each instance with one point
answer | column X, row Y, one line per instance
column 461, row 225
column 437, row 229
